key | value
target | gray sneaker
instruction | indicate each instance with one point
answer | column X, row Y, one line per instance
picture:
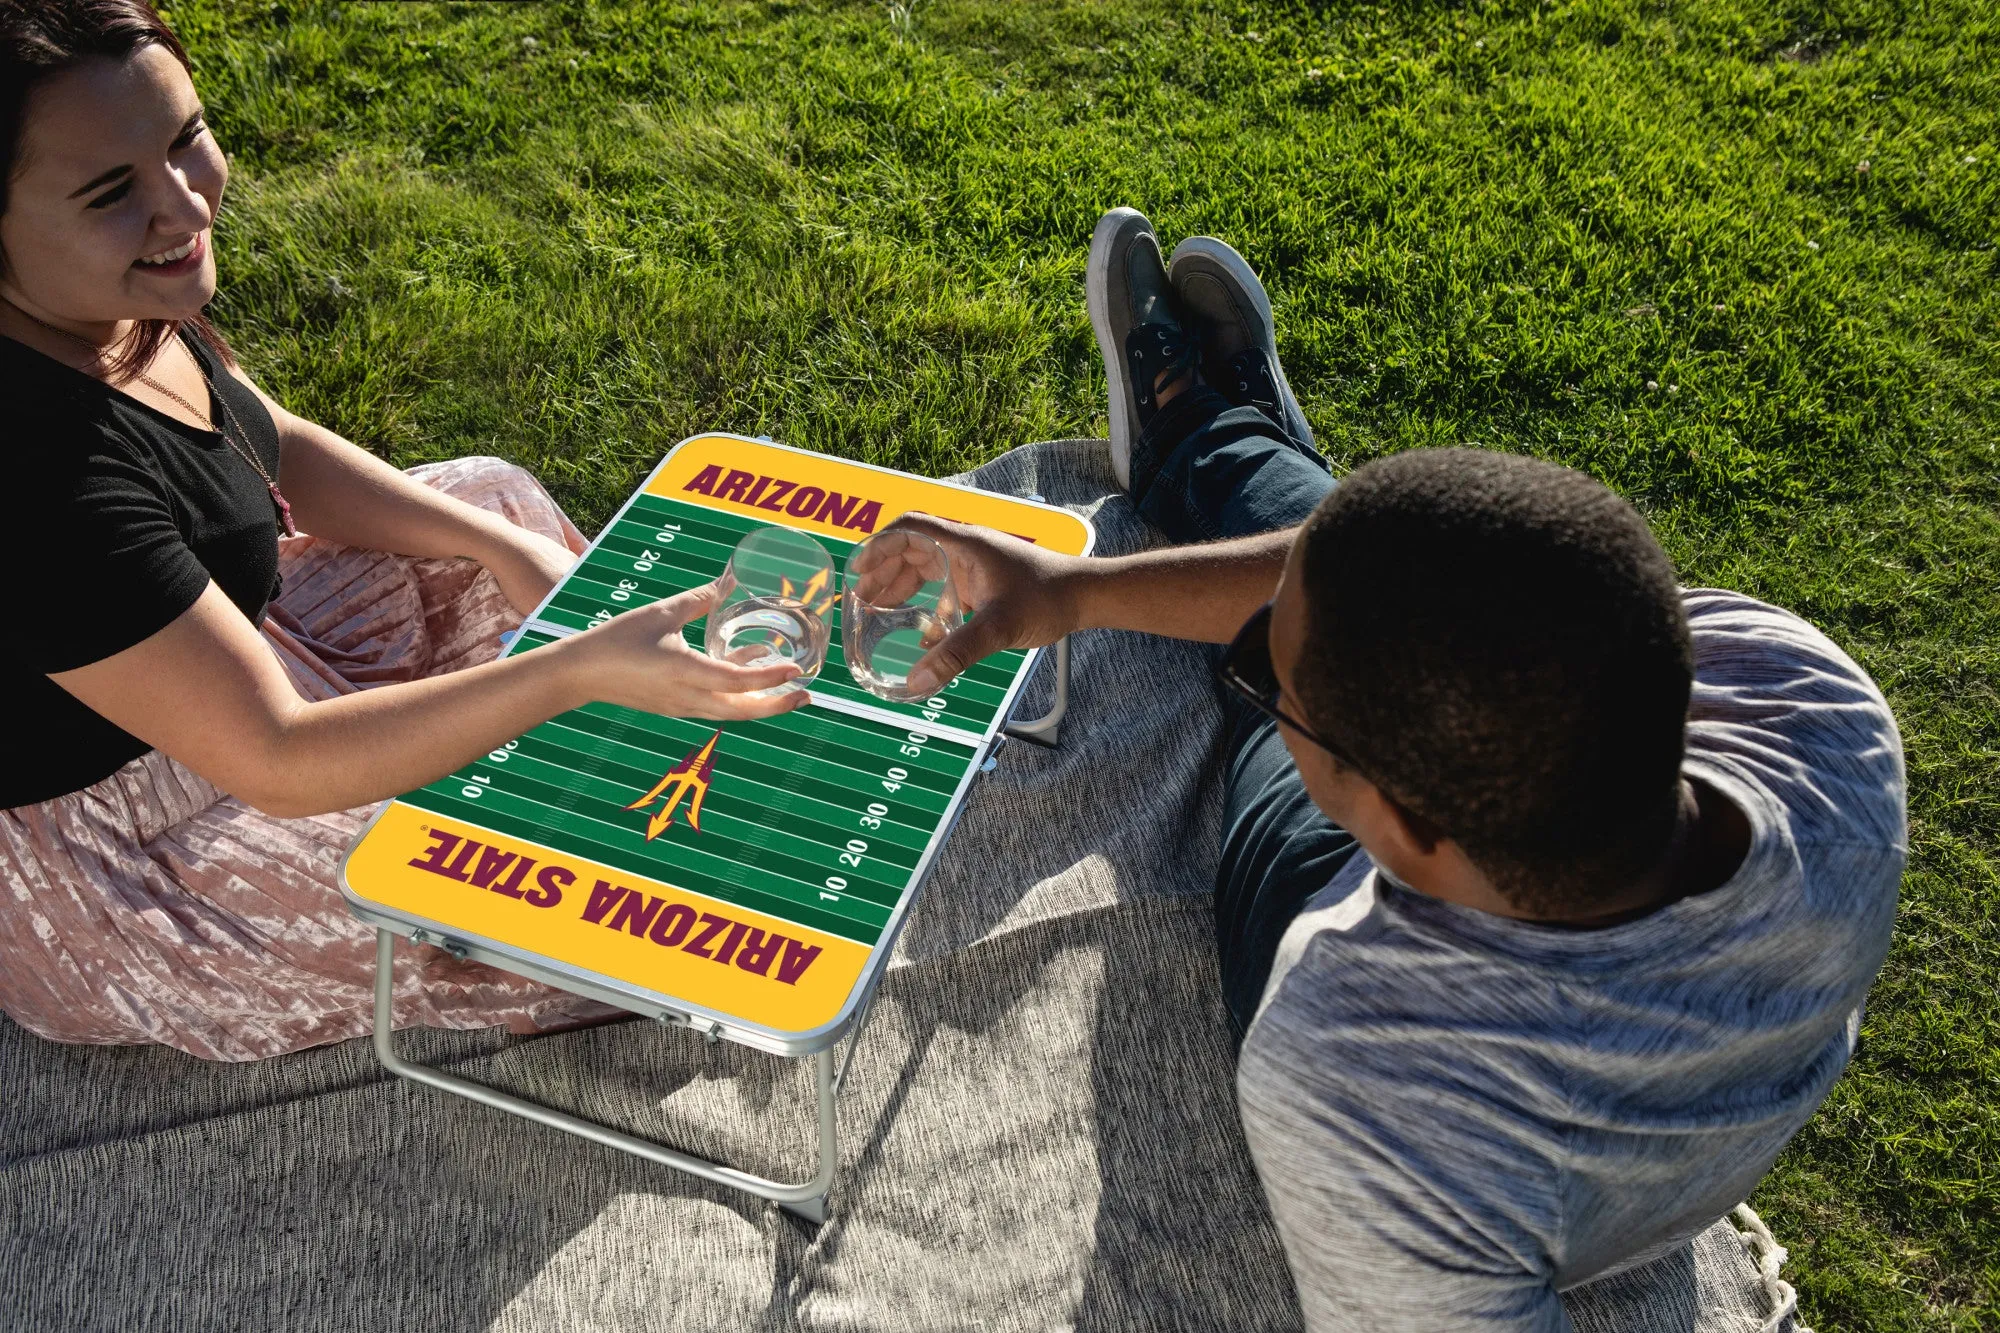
column 1132, row 311
column 1228, row 313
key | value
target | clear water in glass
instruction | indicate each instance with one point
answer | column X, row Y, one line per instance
column 777, row 591
column 897, row 603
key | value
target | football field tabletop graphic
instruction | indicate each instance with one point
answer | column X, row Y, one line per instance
column 746, row 877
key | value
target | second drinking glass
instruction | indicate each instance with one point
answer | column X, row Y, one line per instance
column 896, row 604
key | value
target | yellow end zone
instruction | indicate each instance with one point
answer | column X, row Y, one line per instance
column 837, row 498
column 566, row 908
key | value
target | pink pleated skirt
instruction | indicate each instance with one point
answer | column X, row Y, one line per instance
column 152, row 907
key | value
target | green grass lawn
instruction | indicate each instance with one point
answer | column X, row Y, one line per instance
column 1736, row 259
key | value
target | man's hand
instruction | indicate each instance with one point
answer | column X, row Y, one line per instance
column 1024, row 596
column 1028, row 597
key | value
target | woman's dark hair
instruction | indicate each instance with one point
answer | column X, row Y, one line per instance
column 42, row 38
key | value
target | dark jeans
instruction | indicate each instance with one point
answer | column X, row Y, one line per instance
column 1203, row 471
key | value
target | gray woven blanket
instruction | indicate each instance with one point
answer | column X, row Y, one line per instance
column 1039, row 1132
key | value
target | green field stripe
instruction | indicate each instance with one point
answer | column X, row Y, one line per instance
column 528, row 639
column 741, row 794
column 729, row 524
column 557, row 614
column 971, row 693
column 825, row 773
column 974, row 718
column 863, row 734
column 664, row 579
column 736, row 821
column 588, row 581
column 970, row 698
column 601, row 567
column 580, row 597
column 635, row 539
column 708, row 525
column 583, row 599
column 819, row 821
column 693, row 543
column 984, row 683
column 850, row 917
column 595, row 583
column 743, row 780
column 913, row 806
column 816, row 824
column 866, row 753
column 717, row 525
column 607, row 565
column 712, row 859
column 781, row 763
column 829, row 735
column 684, row 520
column 775, row 767
column 723, row 842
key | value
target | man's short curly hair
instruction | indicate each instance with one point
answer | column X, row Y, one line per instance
column 1500, row 645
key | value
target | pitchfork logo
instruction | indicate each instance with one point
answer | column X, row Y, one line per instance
column 687, row 779
column 817, row 596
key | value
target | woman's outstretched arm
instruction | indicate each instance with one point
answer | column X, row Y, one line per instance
column 208, row 691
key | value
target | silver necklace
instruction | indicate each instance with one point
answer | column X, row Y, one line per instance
column 242, row 449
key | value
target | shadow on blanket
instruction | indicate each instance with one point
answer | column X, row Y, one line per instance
column 1039, row 1132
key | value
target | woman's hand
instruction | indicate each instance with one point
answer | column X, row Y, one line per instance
column 526, row 565
column 640, row 660
column 208, row 690
column 1025, row 596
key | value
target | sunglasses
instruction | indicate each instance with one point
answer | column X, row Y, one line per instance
column 1247, row 672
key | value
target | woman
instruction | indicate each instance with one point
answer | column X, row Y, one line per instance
column 202, row 704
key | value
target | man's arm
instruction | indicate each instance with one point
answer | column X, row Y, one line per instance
column 1026, row 597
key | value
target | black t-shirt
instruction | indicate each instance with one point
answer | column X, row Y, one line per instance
column 117, row 519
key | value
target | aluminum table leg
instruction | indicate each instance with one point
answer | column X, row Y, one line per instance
column 1046, row 730
column 807, row 1200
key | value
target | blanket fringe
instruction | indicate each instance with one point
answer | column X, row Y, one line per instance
column 1769, row 1256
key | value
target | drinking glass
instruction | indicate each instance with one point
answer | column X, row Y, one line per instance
column 896, row 604
column 776, row 593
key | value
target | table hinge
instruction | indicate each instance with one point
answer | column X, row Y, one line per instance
column 449, row 945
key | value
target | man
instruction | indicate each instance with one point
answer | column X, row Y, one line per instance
column 1549, row 893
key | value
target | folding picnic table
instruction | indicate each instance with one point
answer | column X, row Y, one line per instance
column 747, row 880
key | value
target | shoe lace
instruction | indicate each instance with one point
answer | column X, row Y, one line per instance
column 1160, row 355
